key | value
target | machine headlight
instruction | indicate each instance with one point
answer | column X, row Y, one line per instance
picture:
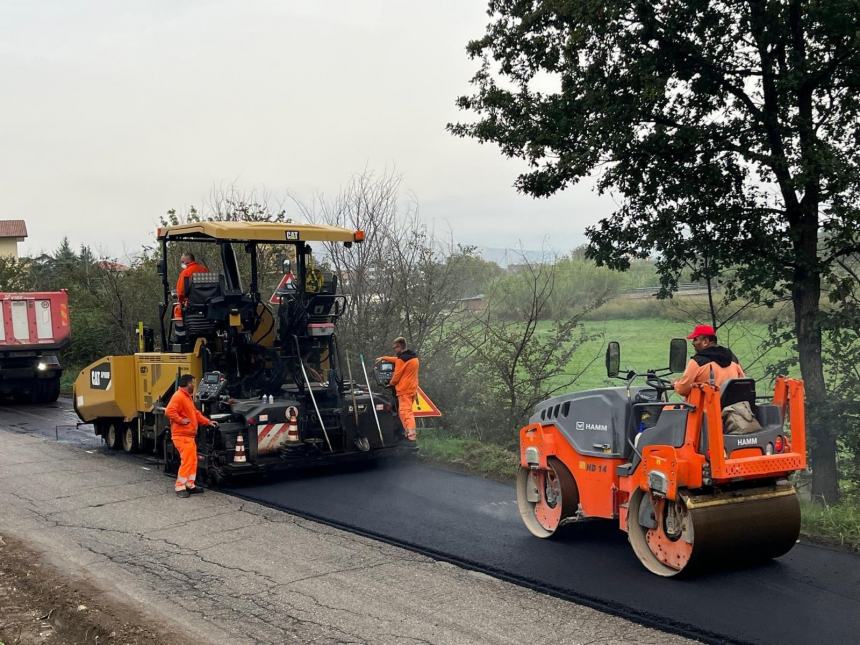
column 532, row 456
column 42, row 366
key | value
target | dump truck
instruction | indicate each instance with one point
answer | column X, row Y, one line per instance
column 689, row 494
column 273, row 376
column 34, row 327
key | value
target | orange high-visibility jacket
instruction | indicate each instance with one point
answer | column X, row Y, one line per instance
column 187, row 272
column 405, row 377
column 720, row 360
column 181, row 407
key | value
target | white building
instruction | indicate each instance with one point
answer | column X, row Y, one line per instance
column 12, row 231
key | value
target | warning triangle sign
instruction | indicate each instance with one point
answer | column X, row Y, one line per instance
column 284, row 286
column 422, row 406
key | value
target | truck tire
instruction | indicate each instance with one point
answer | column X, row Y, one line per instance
column 32, row 393
column 49, row 391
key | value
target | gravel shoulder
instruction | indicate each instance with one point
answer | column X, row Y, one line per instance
column 83, row 528
column 41, row 604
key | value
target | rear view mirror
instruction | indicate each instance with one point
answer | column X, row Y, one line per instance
column 162, row 268
column 677, row 355
column 613, row 359
column 288, row 266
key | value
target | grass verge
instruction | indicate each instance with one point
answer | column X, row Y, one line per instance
column 469, row 455
column 834, row 525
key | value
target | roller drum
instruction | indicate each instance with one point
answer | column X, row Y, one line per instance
column 746, row 531
column 713, row 531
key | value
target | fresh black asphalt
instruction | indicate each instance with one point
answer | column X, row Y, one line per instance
column 810, row 595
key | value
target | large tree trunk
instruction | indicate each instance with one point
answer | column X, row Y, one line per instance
column 822, row 436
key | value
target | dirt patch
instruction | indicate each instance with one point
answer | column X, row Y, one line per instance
column 41, row 605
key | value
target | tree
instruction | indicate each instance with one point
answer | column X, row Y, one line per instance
column 518, row 351
column 14, row 274
column 403, row 279
column 731, row 126
column 841, row 327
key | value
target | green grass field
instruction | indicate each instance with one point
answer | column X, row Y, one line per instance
column 645, row 345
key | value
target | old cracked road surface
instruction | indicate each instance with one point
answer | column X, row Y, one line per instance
column 810, row 595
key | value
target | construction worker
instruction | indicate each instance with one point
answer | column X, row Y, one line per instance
column 190, row 266
column 710, row 361
column 184, row 421
column 405, row 384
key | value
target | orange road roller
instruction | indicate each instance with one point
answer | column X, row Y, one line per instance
column 688, row 492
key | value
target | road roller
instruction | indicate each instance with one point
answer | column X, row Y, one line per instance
column 689, row 494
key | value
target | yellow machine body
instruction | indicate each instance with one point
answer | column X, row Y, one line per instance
column 123, row 387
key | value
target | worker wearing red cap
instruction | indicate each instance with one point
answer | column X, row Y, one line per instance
column 711, row 361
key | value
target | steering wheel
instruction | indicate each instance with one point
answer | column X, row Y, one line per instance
column 659, row 383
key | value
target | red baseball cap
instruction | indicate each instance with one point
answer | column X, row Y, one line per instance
column 702, row 330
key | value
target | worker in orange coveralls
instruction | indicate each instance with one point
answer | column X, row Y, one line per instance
column 709, row 359
column 190, row 266
column 405, row 384
column 184, row 421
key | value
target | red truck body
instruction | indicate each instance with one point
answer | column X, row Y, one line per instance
column 33, row 326
column 34, row 320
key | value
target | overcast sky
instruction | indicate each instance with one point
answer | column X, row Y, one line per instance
column 115, row 111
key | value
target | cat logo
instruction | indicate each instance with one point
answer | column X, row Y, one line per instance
column 292, row 236
column 100, row 376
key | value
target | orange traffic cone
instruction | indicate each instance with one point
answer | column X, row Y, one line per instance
column 239, row 456
column 293, row 430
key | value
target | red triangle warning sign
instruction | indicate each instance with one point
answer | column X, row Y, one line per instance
column 284, row 286
column 422, row 406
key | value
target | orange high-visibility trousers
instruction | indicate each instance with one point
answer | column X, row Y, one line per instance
column 407, row 417
column 187, row 447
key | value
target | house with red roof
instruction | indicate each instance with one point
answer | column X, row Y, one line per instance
column 12, row 231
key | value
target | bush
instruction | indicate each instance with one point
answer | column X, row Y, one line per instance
column 683, row 309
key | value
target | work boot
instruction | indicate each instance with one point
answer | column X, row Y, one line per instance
column 412, row 444
column 194, row 491
column 183, row 493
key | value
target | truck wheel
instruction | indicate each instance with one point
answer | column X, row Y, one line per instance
column 33, row 394
column 113, row 436
column 129, row 438
column 50, row 391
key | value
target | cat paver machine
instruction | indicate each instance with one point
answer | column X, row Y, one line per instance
column 688, row 494
column 272, row 376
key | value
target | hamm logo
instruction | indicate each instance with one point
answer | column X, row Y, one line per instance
column 599, row 427
column 749, row 441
